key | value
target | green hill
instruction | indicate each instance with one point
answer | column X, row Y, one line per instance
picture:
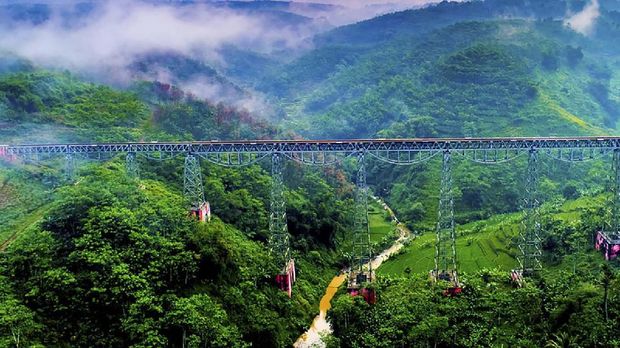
column 470, row 78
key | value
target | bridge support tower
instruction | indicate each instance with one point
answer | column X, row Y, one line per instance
column 194, row 190
column 530, row 242
column 131, row 165
column 608, row 242
column 279, row 244
column 445, row 244
column 615, row 201
column 361, row 269
column 69, row 167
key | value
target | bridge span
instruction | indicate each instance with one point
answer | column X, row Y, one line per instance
column 353, row 145
column 327, row 152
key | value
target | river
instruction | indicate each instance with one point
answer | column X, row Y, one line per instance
column 320, row 326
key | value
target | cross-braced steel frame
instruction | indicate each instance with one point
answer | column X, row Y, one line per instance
column 615, row 191
column 530, row 240
column 445, row 244
column 69, row 166
column 362, row 253
column 192, row 182
column 278, row 229
column 131, row 165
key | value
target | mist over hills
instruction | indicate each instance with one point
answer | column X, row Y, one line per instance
column 289, row 51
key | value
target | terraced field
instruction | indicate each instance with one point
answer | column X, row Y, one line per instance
column 483, row 244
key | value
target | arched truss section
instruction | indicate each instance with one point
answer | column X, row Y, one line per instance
column 36, row 157
column 318, row 158
column 403, row 157
column 237, row 159
column 491, row 156
column 577, row 154
column 161, row 156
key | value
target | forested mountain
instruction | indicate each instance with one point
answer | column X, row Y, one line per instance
column 487, row 68
column 501, row 75
column 104, row 259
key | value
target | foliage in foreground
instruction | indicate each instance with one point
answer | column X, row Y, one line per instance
column 582, row 308
column 118, row 262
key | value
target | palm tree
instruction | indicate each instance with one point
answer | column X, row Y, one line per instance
column 561, row 340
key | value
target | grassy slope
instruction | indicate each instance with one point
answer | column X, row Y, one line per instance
column 380, row 226
column 23, row 202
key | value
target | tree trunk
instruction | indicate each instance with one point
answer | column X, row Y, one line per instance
column 605, row 299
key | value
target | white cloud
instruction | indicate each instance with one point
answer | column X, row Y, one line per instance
column 105, row 43
column 583, row 21
column 350, row 11
column 121, row 30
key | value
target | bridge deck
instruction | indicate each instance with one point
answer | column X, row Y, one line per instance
column 338, row 146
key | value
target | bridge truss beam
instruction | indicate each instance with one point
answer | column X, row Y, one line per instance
column 378, row 147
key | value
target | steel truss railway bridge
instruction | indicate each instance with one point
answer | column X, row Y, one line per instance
column 329, row 152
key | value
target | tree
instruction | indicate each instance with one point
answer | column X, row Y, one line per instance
column 561, row 340
column 606, row 279
column 18, row 327
column 202, row 323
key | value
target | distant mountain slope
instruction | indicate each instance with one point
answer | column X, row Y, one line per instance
column 420, row 21
column 471, row 78
column 40, row 106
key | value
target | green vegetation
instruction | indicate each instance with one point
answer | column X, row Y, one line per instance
column 569, row 301
column 108, row 261
column 492, row 243
column 118, row 262
column 380, row 223
column 555, row 309
column 23, row 201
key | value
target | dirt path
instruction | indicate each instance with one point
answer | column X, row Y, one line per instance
column 320, row 326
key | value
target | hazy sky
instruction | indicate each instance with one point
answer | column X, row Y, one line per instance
column 361, row 3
